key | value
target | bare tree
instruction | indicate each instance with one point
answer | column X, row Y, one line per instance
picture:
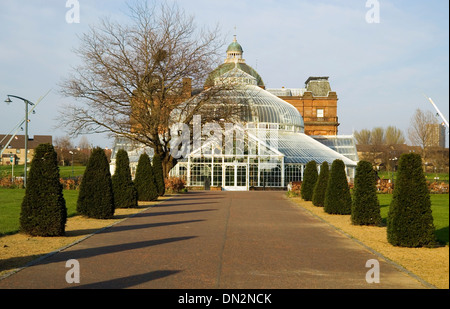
column 133, row 76
column 63, row 145
column 363, row 137
column 377, row 136
column 381, row 145
column 83, row 143
column 394, row 136
column 83, row 150
column 420, row 131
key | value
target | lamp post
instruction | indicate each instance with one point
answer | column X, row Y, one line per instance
column 72, row 153
column 12, row 161
column 393, row 160
column 27, row 102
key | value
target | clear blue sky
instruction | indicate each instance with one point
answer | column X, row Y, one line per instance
column 380, row 71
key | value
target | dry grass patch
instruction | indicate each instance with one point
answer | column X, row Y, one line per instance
column 19, row 249
column 430, row 264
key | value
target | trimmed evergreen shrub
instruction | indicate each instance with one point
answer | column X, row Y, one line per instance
column 43, row 211
column 125, row 194
column 145, row 180
column 309, row 180
column 338, row 199
column 96, row 197
column 410, row 221
column 365, row 206
column 159, row 174
column 320, row 188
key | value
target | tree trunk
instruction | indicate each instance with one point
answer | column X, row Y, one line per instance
column 168, row 162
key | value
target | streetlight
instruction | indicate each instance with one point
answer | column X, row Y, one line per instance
column 27, row 102
column 72, row 153
column 393, row 160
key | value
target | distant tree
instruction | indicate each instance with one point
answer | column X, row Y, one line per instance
column 83, row 143
column 365, row 207
column 125, row 193
column 96, row 197
column 84, row 150
column 159, row 174
column 309, row 181
column 410, row 221
column 337, row 197
column 394, row 136
column 145, row 180
column 63, row 145
column 43, row 211
column 381, row 145
column 377, row 136
column 363, row 137
column 420, row 131
column 320, row 188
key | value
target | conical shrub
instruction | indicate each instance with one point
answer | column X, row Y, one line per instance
column 96, row 197
column 43, row 211
column 309, row 181
column 338, row 199
column 365, row 206
column 318, row 198
column 125, row 194
column 410, row 220
column 159, row 174
column 145, row 180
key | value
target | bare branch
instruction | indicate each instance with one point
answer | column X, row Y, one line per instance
column 132, row 75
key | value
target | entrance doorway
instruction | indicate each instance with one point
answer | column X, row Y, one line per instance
column 235, row 177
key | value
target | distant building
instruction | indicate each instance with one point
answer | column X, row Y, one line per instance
column 317, row 104
column 437, row 135
column 16, row 148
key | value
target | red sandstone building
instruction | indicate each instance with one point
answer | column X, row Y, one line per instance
column 317, row 104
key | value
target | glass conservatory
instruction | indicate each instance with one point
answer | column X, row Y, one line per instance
column 264, row 148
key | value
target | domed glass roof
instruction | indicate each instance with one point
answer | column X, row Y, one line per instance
column 226, row 67
column 257, row 105
column 235, row 47
column 260, row 106
column 234, row 59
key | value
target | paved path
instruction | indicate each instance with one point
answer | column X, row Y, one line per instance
column 257, row 240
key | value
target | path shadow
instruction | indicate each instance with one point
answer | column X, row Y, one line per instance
column 165, row 213
column 182, row 204
column 194, row 199
column 122, row 228
column 68, row 254
column 203, row 193
column 126, row 282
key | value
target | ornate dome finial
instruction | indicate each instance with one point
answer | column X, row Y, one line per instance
column 234, row 52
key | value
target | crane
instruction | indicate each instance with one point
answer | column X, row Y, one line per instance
column 438, row 111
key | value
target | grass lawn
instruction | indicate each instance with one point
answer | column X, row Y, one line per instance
column 10, row 203
column 441, row 177
column 439, row 208
column 64, row 171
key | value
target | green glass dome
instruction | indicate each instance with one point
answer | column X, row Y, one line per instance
column 234, row 60
column 226, row 67
column 235, row 47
